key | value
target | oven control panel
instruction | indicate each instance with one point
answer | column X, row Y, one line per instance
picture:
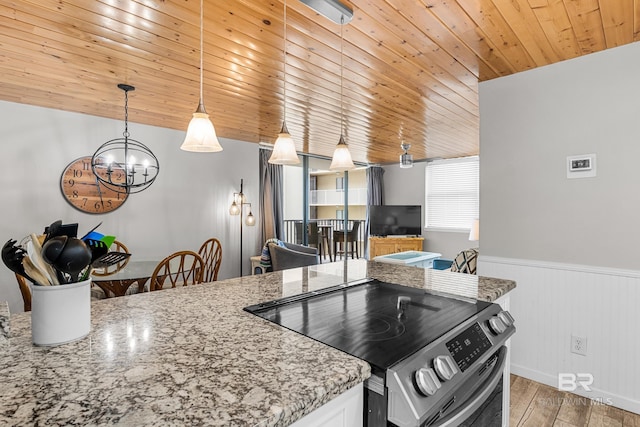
column 469, row 346
column 431, row 377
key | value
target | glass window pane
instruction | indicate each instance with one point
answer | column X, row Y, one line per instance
column 325, row 210
column 452, row 193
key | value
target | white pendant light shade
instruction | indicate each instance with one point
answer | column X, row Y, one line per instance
column 201, row 135
column 341, row 157
column 284, row 150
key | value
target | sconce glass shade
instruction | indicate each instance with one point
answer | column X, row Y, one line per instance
column 250, row 220
column 201, row 135
column 474, row 234
column 234, row 209
column 406, row 160
column 284, row 150
column 341, row 157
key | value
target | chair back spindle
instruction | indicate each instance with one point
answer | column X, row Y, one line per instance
column 178, row 269
column 211, row 254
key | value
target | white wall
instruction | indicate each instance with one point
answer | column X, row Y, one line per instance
column 530, row 123
column 570, row 243
column 188, row 203
column 407, row 187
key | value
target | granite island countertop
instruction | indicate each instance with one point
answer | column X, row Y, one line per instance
column 192, row 356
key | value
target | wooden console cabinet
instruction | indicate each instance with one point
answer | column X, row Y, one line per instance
column 391, row 245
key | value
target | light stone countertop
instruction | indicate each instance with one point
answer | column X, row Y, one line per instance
column 192, row 356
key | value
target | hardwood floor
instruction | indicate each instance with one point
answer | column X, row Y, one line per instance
column 538, row 405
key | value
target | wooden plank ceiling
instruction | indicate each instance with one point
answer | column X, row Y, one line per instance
column 411, row 67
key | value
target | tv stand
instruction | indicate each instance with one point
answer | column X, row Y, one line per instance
column 391, row 245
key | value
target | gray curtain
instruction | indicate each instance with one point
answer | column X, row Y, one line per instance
column 375, row 196
column 271, row 204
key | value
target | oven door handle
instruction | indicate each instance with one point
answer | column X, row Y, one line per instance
column 480, row 396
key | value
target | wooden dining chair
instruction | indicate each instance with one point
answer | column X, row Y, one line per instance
column 211, row 254
column 25, row 291
column 116, row 246
column 180, row 268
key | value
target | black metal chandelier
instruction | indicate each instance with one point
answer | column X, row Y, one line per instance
column 124, row 164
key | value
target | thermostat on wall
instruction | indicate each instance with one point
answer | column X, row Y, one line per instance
column 582, row 166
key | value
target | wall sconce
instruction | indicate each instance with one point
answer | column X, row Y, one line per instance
column 236, row 208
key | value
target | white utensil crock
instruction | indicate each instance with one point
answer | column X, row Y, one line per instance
column 60, row 314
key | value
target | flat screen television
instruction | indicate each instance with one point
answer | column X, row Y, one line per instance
column 395, row 220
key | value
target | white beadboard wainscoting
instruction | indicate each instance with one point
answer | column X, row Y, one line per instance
column 553, row 301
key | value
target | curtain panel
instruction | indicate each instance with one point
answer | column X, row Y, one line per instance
column 271, row 200
column 375, row 196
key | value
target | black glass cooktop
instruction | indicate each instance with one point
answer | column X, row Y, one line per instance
column 381, row 323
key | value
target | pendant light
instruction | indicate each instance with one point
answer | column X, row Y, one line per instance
column 284, row 150
column 341, row 156
column 406, row 159
column 201, row 135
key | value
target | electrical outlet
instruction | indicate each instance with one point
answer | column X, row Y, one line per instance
column 579, row 345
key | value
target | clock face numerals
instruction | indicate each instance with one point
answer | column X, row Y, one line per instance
column 83, row 191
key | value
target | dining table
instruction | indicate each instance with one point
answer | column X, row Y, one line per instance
column 118, row 283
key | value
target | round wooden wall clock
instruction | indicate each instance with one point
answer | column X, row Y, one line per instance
column 85, row 192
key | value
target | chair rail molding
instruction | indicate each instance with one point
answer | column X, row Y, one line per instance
column 608, row 271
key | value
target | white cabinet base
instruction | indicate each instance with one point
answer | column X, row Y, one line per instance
column 343, row 411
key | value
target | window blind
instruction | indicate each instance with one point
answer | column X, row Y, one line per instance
column 452, row 197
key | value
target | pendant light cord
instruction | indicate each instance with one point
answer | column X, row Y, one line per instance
column 341, row 75
column 201, row 44
column 284, row 50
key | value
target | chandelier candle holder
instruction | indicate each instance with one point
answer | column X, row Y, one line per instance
column 237, row 208
column 123, row 164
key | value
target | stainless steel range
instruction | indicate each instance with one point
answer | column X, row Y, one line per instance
column 434, row 359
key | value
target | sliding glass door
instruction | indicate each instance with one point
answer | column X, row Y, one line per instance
column 314, row 208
